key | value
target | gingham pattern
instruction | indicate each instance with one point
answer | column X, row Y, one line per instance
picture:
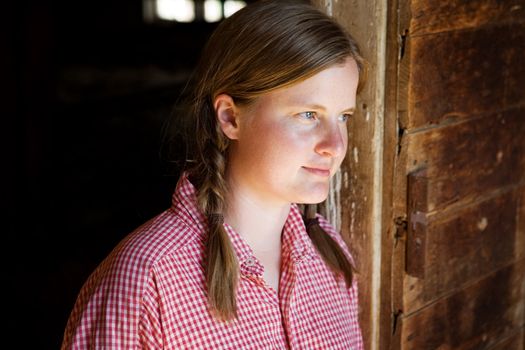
column 149, row 293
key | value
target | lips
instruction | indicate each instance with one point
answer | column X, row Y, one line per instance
column 318, row 171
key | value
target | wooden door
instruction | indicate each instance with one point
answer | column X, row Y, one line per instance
column 459, row 180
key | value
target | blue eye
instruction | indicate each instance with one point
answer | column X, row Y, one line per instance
column 308, row 115
column 345, row 117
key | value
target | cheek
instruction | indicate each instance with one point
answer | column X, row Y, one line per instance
column 280, row 138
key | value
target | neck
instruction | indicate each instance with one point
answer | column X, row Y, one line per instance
column 257, row 220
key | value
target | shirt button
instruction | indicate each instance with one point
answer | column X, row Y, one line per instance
column 250, row 262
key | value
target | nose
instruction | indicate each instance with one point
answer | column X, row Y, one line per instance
column 333, row 140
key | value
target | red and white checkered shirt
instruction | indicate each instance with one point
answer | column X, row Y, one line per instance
column 149, row 293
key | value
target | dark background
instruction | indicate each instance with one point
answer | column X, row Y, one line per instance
column 87, row 90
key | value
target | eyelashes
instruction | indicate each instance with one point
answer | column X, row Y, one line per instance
column 344, row 117
column 310, row 115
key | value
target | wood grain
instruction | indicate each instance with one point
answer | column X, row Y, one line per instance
column 520, row 218
column 514, row 342
column 457, row 75
column 475, row 317
column 438, row 16
column 464, row 246
column 468, row 159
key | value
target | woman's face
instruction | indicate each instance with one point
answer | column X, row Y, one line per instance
column 291, row 141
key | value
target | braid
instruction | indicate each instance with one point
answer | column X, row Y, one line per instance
column 220, row 259
column 330, row 251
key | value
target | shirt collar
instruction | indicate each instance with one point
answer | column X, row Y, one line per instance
column 295, row 240
column 184, row 203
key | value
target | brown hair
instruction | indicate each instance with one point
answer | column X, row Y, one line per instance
column 265, row 46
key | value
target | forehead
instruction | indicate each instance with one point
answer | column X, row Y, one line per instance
column 334, row 87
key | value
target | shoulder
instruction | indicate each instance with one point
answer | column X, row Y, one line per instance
column 117, row 290
column 130, row 264
column 165, row 234
column 140, row 251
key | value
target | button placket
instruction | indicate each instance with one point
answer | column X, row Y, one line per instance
column 252, row 270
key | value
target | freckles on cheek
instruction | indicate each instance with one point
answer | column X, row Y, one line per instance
column 277, row 139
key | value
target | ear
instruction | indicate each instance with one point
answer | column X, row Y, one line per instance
column 227, row 116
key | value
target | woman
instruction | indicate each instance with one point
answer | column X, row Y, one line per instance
column 233, row 264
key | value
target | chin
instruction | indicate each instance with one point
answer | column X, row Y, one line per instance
column 314, row 198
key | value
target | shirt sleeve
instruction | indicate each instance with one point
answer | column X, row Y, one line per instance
column 150, row 322
column 117, row 308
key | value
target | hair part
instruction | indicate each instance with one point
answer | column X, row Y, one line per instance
column 265, row 46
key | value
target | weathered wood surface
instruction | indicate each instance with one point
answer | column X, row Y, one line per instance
column 468, row 159
column 438, row 16
column 514, row 342
column 390, row 287
column 463, row 246
column 457, row 75
column 476, row 317
column 461, row 111
column 520, row 233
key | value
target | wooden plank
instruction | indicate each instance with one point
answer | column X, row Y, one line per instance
column 476, row 317
column 520, row 218
column 468, row 159
column 399, row 181
column 457, row 75
column 463, row 246
column 514, row 342
column 388, row 310
column 438, row 16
